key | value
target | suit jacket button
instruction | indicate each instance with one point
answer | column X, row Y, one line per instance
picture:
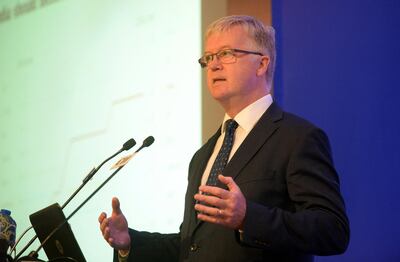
column 194, row 247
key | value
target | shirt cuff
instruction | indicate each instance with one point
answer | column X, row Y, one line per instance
column 241, row 237
column 123, row 255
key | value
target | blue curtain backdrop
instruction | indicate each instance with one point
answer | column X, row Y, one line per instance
column 339, row 66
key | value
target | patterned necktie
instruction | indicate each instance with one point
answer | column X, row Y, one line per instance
column 223, row 154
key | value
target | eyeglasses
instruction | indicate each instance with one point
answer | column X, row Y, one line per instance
column 226, row 56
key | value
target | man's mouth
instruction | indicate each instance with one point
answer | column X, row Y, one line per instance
column 218, row 79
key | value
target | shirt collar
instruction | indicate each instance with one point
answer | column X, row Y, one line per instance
column 249, row 116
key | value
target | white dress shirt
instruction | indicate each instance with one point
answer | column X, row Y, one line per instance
column 247, row 119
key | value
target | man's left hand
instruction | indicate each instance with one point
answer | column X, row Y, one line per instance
column 220, row 206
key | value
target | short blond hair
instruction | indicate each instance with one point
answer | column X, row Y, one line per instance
column 263, row 35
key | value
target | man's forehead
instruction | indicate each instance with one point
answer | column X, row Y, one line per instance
column 227, row 30
column 233, row 38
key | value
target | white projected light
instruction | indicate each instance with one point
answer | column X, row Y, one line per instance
column 78, row 79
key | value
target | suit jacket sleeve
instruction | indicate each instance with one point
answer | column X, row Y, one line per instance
column 146, row 246
column 317, row 223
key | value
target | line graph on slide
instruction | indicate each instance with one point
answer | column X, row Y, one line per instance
column 90, row 135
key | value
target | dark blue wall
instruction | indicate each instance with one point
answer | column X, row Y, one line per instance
column 339, row 66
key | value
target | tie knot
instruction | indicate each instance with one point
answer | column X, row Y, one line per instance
column 230, row 125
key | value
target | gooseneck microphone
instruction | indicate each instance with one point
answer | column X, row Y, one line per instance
column 146, row 143
column 126, row 146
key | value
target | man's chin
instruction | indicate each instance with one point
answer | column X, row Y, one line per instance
column 220, row 97
column 218, row 92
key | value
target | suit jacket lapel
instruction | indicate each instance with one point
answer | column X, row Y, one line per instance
column 201, row 164
column 264, row 128
column 203, row 158
column 262, row 131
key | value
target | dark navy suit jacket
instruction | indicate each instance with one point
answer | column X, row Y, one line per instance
column 294, row 210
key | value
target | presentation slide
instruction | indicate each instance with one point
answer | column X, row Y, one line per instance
column 77, row 80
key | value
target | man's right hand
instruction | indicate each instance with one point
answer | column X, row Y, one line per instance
column 115, row 228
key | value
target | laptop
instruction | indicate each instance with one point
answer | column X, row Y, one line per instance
column 63, row 243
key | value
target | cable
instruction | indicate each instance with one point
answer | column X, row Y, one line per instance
column 19, row 239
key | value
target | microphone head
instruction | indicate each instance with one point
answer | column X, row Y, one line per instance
column 148, row 141
column 129, row 144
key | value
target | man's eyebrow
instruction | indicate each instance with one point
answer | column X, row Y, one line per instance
column 221, row 48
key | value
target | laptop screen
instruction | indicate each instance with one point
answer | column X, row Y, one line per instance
column 63, row 243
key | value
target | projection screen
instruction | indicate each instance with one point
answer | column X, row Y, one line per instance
column 78, row 79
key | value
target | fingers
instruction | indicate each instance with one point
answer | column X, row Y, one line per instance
column 211, row 219
column 103, row 222
column 215, row 191
column 105, row 231
column 219, row 192
column 102, row 216
column 116, row 206
column 212, row 211
column 106, row 234
column 228, row 181
column 210, row 200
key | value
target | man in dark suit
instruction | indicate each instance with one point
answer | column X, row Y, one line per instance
column 263, row 188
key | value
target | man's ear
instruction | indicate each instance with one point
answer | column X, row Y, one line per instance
column 263, row 67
